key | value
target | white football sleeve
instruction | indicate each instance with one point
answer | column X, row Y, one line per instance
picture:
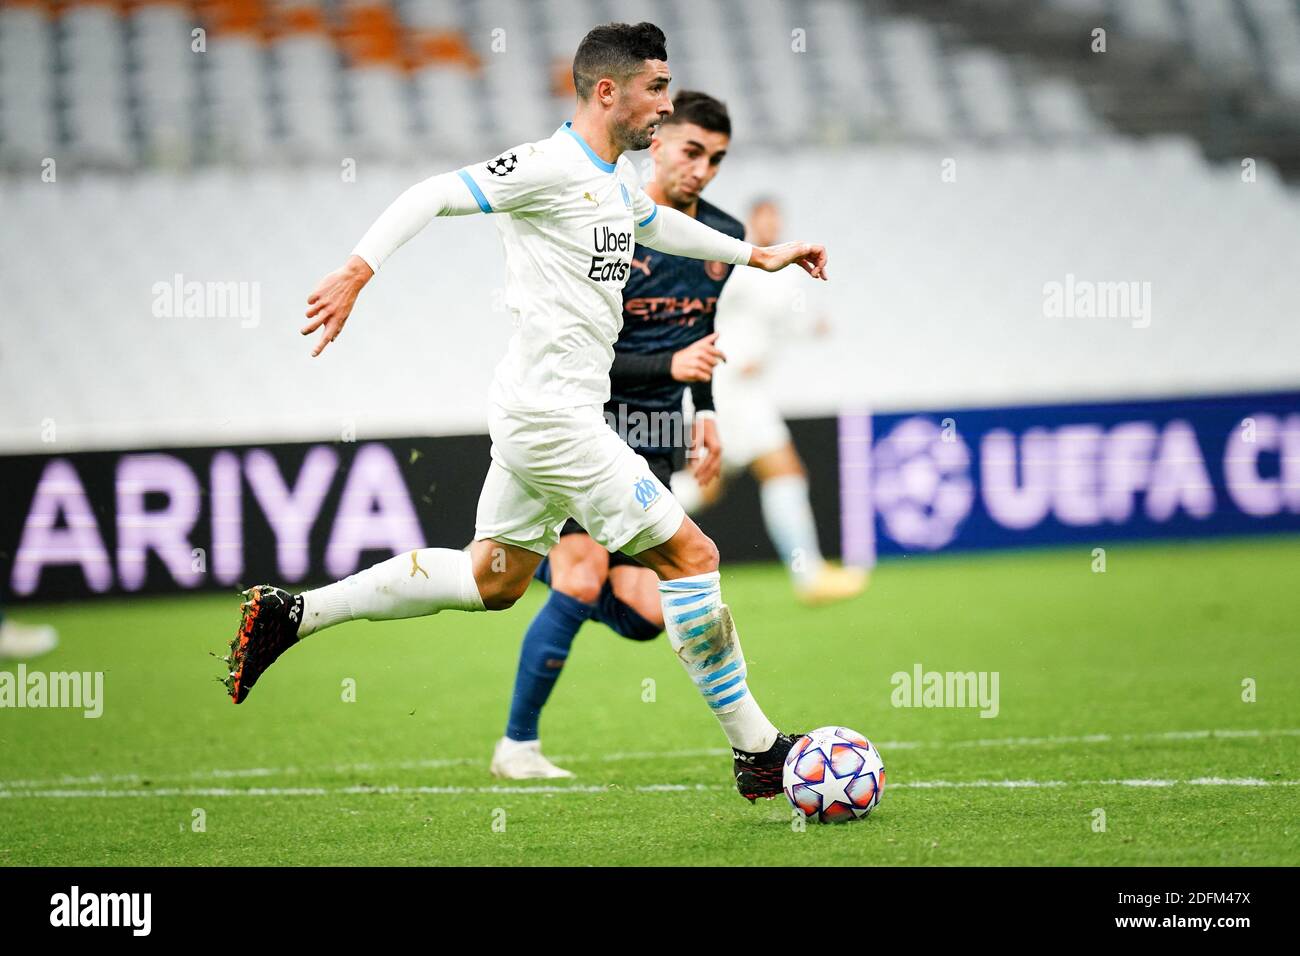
column 678, row 234
column 441, row 195
column 515, row 181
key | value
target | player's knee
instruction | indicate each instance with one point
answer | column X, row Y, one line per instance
column 701, row 556
column 581, row 579
column 583, row 585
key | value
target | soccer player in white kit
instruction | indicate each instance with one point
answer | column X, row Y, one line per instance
column 570, row 209
column 755, row 313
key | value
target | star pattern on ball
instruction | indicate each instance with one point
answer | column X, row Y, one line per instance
column 834, row 788
column 826, row 743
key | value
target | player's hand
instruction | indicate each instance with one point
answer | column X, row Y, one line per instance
column 809, row 256
column 331, row 304
column 695, row 362
column 706, row 450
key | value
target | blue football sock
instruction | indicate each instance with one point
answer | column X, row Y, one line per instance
column 543, row 572
column 541, row 658
column 621, row 618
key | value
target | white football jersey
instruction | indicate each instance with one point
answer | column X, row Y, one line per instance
column 567, row 229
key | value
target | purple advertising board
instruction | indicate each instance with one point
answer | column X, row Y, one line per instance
column 1057, row 474
column 97, row 523
column 85, row 524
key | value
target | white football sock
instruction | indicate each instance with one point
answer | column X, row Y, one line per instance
column 701, row 632
column 687, row 491
column 412, row 584
column 788, row 516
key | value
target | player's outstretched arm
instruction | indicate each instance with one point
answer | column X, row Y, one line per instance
column 678, row 234
column 329, row 306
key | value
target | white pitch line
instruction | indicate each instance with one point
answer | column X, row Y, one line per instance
column 551, row 789
column 1168, row 735
column 100, row 779
column 343, row 768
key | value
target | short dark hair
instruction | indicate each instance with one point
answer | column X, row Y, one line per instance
column 705, row 111
column 615, row 50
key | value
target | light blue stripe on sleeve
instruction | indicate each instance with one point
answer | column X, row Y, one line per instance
column 648, row 219
column 473, row 188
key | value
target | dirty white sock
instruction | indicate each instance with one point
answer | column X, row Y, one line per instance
column 701, row 632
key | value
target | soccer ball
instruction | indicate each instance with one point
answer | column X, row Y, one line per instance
column 833, row 775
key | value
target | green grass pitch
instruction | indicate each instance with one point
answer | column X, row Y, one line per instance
column 1107, row 682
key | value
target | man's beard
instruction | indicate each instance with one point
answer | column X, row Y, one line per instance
column 635, row 137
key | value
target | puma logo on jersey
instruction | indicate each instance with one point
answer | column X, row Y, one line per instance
column 415, row 565
column 591, row 197
column 642, row 264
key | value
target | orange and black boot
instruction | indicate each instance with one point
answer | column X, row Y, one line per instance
column 759, row 774
column 268, row 628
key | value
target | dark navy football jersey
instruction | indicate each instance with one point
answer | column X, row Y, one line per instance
column 668, row 303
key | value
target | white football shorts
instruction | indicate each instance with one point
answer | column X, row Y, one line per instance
column 550, row 466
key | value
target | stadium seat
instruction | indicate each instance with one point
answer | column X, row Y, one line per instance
column 165, row 79
column 1151, row 20
column 374, row 48
column 1060, row 110
column 95, row 83
column 988, row 93
column 444, row 76
column 854, row 101
column 28, row 123
column 1216, row 33
column 784, row 80
column 911, row 57
column 514, row 69
column 1278, row 28
column 308, row 80
column 242, row 121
